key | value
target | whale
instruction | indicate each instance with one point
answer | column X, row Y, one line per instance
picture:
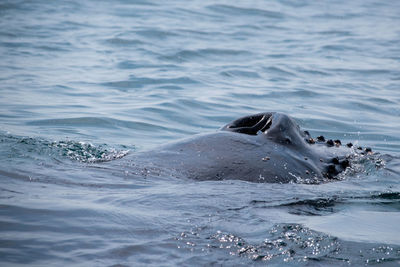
column 267, row 147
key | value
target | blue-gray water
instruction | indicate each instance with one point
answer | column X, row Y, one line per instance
column 83, row 82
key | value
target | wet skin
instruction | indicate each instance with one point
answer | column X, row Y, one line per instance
column 265, row 147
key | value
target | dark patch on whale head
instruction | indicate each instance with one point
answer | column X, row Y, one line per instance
column 276, row 127
column 250, row 125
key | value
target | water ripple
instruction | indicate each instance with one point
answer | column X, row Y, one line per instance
column 134, row 83
column 207, row 53
column 240, row 11
column 124, row 42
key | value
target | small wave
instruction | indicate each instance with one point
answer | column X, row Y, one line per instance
column 296, row 93
column 80, row 121
column 339, row 33
column 155, row 34
column 136, row 82
column 318, row 206
column 362, row 72
column 381, row 100
column 375, row 108
column 97, row 122
column 123, row 42
column 9, row 5
column 387, row 196
column 129, row 64
column 279, row 71
column 201, row 54
column 313, row 72
column 240, row 73
column 334, row 16
column 303, row 207
column 241, row 11
column 15, row 44
column 248, row 96
column 338, row 47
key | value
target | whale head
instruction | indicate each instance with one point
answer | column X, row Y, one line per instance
column 280, row 131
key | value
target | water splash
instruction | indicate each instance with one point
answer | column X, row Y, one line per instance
column 37, row 148
column 289, row 243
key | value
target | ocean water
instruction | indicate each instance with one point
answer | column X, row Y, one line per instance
column 86, row 82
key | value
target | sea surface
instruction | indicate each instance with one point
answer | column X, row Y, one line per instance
column 86, row 82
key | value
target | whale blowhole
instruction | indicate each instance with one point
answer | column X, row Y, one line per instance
column 250, row 125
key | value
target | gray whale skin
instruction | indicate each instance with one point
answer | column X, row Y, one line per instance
column 266, row 147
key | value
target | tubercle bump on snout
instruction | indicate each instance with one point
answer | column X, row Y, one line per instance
column 321, row 139
column 335, row 166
